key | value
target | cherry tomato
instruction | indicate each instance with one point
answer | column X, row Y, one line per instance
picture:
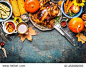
column 2, row 44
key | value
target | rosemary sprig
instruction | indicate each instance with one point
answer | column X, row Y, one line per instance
column 57, row 19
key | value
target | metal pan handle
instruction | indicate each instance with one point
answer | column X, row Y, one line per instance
column 64, row 34
column 68, row 35
column 69, row 40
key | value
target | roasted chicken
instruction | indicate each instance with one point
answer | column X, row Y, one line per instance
column 45, row 16
column 43, row 2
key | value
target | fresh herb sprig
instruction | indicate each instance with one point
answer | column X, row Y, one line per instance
column 72, row 14
column 57, row 19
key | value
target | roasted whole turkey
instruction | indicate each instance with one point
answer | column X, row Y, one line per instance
column 46, row 15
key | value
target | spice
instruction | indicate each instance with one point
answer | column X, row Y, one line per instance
column 25, row 17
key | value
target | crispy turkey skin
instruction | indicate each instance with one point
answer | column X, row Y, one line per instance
column 45, row 16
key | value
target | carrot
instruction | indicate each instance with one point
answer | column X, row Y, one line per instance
column 67, row 2
column 70, row 10
column 65, row 7
column 69, row 5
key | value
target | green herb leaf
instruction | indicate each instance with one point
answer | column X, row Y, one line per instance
column 57, row 19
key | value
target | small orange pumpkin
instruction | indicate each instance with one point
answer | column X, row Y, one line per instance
column 84, row 16
column 76, row 25
column 31, row 5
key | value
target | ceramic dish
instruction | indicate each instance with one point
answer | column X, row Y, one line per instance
column 4, row 24
column 22, row 28
column 78, row 14
column 10, row 7
column 25, row 17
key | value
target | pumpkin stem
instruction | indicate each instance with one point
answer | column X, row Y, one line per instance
column 32, row 6
column 78, row 28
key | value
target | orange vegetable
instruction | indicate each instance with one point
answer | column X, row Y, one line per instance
column 21, row 6
column 60, row 3
column 69, row 5
column 15, row 7
column 84, row 16
column 32, row 5
column 76, row 25
column 65, row 8
column 67, row 2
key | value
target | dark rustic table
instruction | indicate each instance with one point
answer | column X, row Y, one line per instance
column 49, row 46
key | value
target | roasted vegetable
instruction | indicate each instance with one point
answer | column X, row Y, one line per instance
column 21, row 6
column 67, row 1
column 65, row 8
column 15, row 7
column 4, row 11
column 69, row 5
column 10, row 27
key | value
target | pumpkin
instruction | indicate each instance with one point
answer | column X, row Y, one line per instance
column 84, row 16
column 31, row 5
column 76, row 25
